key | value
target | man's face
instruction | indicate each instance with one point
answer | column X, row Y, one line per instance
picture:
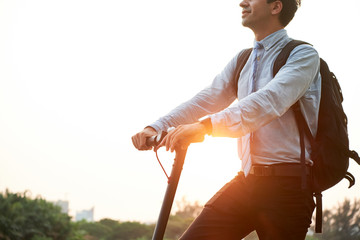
column 255, row 13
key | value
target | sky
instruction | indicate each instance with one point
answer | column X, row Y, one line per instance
column 78, row 78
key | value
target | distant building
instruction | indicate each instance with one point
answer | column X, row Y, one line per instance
column 87, row 215
column 64, row 206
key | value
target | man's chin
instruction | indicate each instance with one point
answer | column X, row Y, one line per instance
column 244, row 23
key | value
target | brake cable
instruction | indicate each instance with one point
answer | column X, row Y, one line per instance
column 154, row 141
column 157, row 157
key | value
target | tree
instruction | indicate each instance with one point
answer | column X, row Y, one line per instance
column 24, row 218
column 131, row 231
column 342, row 222
column 112, row 224
column 176, row 226
column 94, row 230
column 186, row 209
column 183, row 217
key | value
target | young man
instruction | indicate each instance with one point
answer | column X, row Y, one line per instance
column 274, row 204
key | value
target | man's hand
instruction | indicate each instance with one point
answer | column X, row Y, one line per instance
column 183, row 135
column 139, row 139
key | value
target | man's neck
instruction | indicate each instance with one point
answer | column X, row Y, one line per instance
column 260, row 34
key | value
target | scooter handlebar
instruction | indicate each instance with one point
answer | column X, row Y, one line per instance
column 155, row 140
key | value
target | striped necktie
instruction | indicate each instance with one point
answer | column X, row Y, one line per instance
column 255, row 61
column 247, row 139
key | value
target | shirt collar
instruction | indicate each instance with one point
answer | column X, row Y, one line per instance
column 272, row 39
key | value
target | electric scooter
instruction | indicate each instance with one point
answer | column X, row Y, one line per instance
column 173, row 181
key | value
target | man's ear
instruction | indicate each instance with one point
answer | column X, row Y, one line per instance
column 276, row 7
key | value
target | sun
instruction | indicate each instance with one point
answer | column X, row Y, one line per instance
column 207, row 167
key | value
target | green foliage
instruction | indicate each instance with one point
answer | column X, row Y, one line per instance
column 41, row 238
column 107, row 229
column 186, row 209
column 308, row 237
column 112, row 224
column 183, row 217
column 34, row 219
column 76, row 234
column 95, row 229
column 342, row 222
column 131, row 231
column 176, row 226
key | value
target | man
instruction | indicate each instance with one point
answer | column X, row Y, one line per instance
column 275, row 205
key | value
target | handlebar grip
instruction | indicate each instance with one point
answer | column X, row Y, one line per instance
column 150, row 141
column 155, row 140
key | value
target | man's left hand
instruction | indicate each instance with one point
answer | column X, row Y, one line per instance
column 183, row 135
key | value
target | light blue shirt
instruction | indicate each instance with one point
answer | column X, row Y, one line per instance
column 263, row 113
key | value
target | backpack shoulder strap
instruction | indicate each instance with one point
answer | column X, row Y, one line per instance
column 284, row 54
column 241, row 61
column 302, row 127
column 278, row 64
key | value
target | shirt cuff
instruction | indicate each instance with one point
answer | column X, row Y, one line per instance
column 208, row 125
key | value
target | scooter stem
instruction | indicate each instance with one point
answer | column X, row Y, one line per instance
column 170, row 194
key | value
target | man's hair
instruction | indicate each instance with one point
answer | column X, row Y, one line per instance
column 288, row 11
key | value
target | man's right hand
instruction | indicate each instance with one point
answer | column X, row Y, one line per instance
column 139, row 139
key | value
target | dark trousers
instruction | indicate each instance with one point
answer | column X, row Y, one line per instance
column 276, row 207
